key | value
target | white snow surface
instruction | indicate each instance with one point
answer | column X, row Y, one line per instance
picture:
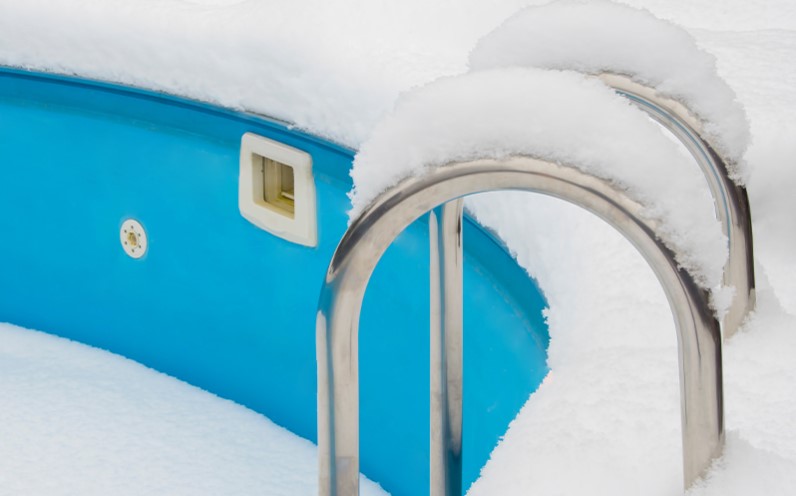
column 600, row 36
column 606, row 419
column 332, row 68
column 562, row 117
column 77, row 420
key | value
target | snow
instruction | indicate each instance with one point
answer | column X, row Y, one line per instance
column 606, row 419
column 283, row 59
column 760, row 64
column 562, row 117
column 79, row 420
column 610, row 406
column 596, row 37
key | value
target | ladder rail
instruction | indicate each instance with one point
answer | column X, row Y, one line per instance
column 337, row 322
column 446, row 326
column 731, row 201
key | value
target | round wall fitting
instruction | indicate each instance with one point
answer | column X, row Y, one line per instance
column 133, row 238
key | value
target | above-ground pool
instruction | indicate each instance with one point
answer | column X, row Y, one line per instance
column 220, row 303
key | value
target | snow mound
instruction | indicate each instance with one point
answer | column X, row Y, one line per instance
column 562, row 117
column 598, row 37
column 331, row 68
column 78, row 420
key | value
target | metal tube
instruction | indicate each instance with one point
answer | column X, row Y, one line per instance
column 446, row 264
column 698, row 333
column 730, row 200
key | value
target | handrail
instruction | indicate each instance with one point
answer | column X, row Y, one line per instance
column 337, row 324
column 730, row 200
column 447, row 319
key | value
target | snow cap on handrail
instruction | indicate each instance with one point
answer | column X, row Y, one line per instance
column 600, row 36
column 561, row 117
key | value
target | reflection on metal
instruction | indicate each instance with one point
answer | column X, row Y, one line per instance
column 699, row 336
column 730, row 200
column 446, row 269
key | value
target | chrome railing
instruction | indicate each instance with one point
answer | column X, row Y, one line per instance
column 730, row 200
column 699, row 335
column 446, row 323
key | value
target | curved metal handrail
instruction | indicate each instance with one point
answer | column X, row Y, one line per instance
column 337, row 325
column 446, row 324
column 730, row 200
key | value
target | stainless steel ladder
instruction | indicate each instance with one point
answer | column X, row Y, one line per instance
column 439, row 191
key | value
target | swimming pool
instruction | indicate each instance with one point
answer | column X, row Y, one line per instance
column 220, row 303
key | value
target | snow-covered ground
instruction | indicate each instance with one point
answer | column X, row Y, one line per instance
column 606, row 419
column 76, row 420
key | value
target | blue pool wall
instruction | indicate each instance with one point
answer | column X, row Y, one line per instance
column 217, row 302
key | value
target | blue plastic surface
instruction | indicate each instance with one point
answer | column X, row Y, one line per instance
column 219, row 303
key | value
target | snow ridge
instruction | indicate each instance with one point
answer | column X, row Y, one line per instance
column 597, row 37
column 562, row 117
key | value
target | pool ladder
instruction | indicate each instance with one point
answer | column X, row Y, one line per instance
column 730, row 200
column 440, row 193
